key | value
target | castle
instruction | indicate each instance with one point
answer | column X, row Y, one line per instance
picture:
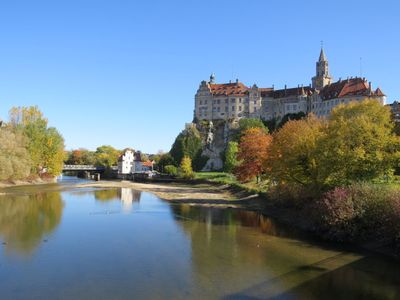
column 234, row 100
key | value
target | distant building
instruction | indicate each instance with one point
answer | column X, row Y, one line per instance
column 126, row 164
column 395, row 108
column 130, row 162
column 234, row 100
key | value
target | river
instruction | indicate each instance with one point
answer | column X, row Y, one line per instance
column 61, row 242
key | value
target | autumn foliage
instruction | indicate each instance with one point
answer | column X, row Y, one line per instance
column 253, row 152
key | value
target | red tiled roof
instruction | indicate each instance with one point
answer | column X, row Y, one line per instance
column 229, row 89
column 349, row 87
column 379, row 93
column 147, row 163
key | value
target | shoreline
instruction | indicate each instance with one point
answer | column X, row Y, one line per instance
column 27, row 182
column 225, row 196
column 185, row 193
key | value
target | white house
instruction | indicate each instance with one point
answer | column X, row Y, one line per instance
column 131, row 162
column 126, row 162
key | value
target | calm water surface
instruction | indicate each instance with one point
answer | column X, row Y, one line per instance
column 57, row 242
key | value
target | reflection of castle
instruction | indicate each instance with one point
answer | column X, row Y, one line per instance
column 128, row 196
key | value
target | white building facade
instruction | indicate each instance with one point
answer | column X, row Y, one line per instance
column 126, row 162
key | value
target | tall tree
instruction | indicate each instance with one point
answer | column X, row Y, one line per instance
column 45, row 144
column 15, row 162
column 359, row 144
column 186, row 168
column 188, row 143
column 230, row 161
column 293, row 152
column 253, row 152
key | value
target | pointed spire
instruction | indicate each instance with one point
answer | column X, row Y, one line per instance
column 322, row 56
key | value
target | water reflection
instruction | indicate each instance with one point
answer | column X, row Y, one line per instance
column 127, row 197
column 25, row 219
column 106, row 195
column 232, row 218
column 170, row 251
column 268, row 263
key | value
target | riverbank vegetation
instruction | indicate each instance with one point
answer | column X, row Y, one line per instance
column 29, row 148
column 338, row 173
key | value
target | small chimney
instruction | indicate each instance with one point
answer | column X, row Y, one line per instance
column 370, row 87
column 230, row 81
column 237, row 80
column 273, row 86
column 285, row 89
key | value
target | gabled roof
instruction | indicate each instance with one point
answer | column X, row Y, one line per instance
column 229, row 89
column 349, row 87
column 379, row 93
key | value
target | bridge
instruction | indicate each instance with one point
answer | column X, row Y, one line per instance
column 82, row 168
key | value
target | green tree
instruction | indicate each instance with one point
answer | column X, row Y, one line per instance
column 293, row 153
column 80, row 156
column 186, row 170
column 247, row 123
column 165, row 160
column 45, row 144
column 171, row 170
column 15, row 162
column 359, row 143
column 188, row 143
column 230, row 161
column 106, row 156
column 356, row 143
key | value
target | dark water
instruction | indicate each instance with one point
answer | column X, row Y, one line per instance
column 124, row 244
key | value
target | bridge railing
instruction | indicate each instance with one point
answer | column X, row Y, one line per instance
column 86, row 168
column 81, row 168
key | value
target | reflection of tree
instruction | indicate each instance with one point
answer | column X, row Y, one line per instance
column 125, row 194
column 26, row 219
column 106, row 195
column 230, row 218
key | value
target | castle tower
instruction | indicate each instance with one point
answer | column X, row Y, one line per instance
column 322, row 77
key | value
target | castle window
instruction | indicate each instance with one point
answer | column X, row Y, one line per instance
column 240, row 108
column 201, row 102
column 233, row 108
column 226, row 108
column 226, row 101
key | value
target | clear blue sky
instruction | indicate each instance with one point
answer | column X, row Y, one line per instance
column 125, row 72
